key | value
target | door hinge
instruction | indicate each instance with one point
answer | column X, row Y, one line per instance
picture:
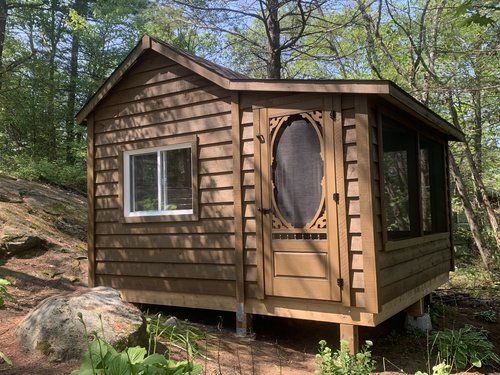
column 261, row 138
column 333, row 115
column 340, row 283
column 336, row 197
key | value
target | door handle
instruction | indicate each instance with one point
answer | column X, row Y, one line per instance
column 264, row 211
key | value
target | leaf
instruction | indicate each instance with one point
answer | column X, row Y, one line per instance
column 4, row 357
column 477, row 363
column 136, row 354
column 155, row 359
column 83, row 372
column 119, row 365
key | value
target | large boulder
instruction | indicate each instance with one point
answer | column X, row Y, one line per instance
column 53, row 327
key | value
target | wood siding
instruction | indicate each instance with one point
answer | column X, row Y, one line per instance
column 158, row 101
column 407, row 268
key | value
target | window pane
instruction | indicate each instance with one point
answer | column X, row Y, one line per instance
column 176, row 184
column 400, row 195
column 433, row 185
column 144, row 182
column 298, row 172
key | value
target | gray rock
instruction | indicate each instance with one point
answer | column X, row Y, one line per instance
column 54, row 329
column 14, row 245
column 422, row 323
column 172, row 321
column 10, row 196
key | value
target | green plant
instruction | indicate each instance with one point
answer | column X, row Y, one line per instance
column 441, row 368
column 3, row 291
column 5, row 358
column 183, row 337
column 489, row 316
column 41, row 169
column 467, row 345
column 342, row 362
column 102, row 359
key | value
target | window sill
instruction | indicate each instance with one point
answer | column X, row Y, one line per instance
column 160, row 218
column 401, row 244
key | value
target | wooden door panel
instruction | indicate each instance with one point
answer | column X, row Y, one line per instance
column 309, row 265
column 302, row 288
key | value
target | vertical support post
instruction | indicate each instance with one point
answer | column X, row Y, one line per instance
column 449, row 216
column 338, row 138
column 349, row 333
column 417, row 309
column 242, row 319
column 365, row 155
column 90, row 199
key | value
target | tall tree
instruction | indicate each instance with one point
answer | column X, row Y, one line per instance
column 265, row 30
column 81, row 8
column 413, row 48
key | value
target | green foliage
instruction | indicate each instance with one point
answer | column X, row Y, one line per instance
column 183, row 337
column 440, row 369
column 489, row 316
column 341, row 362
column 465, row 346
column 102, row 358
column 481, row 12
column 54, row 172
column 3, row 291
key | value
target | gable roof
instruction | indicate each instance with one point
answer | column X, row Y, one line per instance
column 231, row 80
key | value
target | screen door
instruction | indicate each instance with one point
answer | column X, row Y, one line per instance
column 295, row 209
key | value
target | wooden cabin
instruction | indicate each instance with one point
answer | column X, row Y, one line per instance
column 325, row 200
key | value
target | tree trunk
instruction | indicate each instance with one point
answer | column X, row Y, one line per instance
column 478, row 181
column 469, row 213
column 478, row 130
column 81, row 7
column 3, row 27
column 274, row 33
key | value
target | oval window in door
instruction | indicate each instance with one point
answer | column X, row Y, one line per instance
column 297, row 171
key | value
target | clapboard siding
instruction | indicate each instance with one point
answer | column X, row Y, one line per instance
column 158, row 101
column 174, row 285
column 351, row 182
column 404, row 269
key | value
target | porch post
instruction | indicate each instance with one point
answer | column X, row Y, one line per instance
column 349, row 333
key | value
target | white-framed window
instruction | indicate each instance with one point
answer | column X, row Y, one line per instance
column 158, row 181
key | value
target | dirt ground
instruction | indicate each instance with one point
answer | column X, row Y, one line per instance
column 279, row 346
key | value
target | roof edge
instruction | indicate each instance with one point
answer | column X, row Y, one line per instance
column 143, row 45
column 424, row 112
column 233, row 81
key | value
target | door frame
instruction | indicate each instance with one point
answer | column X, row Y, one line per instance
column 284, row 106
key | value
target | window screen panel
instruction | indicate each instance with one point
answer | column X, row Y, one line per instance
column 297, row 172
column 433, row 185
column 400, row 181
column 177, row 186
column 144, row 182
